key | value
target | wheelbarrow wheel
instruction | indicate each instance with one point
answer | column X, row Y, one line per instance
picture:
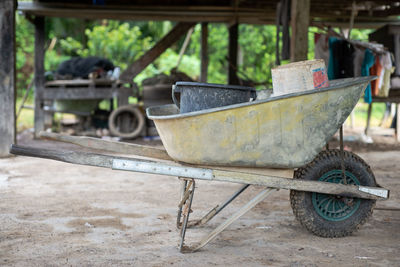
column 329, row 215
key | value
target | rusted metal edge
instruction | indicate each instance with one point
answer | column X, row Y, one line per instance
column 119, row 147
column 151, row 112
column 154, row 167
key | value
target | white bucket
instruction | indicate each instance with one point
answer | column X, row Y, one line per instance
column 299, row 76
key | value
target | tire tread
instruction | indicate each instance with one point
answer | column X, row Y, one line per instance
column 302, row 211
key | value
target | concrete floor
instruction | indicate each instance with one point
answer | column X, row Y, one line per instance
column 57, row 214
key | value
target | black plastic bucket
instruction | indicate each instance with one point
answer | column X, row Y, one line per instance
column 198, row 96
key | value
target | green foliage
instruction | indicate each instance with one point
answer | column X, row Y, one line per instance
column 53, row 59
column 121, row 43
column 311, row 33
column 257, row 44
column 190, row 64
column 67, row 27
column 24, row 37
column 361, row 113
column 71, row 47
column 217, row 51
column 155, row 29
column 360, row 34
column 124, row 42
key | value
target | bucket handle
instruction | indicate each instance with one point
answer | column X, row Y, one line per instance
column 173, row 96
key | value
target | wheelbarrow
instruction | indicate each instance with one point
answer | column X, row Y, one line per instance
column 276, row 143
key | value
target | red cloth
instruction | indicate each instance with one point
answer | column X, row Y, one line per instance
column 376, row 69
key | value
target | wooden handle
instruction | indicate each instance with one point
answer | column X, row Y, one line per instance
column 113, row 146
column 81, row 158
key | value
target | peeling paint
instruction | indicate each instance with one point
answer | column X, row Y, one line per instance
column 286, row 132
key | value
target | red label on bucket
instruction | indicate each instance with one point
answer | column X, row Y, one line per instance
column 320, row 78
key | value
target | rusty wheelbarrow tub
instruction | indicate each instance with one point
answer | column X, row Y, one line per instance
column 332, row 192
column 286, row 131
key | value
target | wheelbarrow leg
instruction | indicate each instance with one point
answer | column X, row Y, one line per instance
column 252, row 203
column 183, row 190
column 185, row 208
column 217, row 209
column 212, row 213
column 186, row 192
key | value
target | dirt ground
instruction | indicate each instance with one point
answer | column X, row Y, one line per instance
column 59, row 214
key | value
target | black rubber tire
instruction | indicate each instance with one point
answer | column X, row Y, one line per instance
column 136, row 116
column 302, row 205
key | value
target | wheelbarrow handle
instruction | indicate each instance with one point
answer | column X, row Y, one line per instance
column 201, row 173
column 173, row 96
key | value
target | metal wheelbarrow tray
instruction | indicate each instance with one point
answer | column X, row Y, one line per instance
column 332, row 192
column 280, row 132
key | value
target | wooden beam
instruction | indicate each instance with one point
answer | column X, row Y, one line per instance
column 85, row 93
column 300, row 19
column 139, row 65
column 204, row 52
column 39, row 75
column 187, row 13
column 7, row 76
column 171, row 169
column 233, row 50
column 333, row 13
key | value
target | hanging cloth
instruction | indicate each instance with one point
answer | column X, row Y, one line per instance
column 376, row 69
column 384, row 91
column 321, row 47
column 368, row 62
column 388, row 69
column 341, row 54
column 332, row 60
column 358, row 60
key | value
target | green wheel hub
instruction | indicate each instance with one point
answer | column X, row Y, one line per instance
column 336, row 208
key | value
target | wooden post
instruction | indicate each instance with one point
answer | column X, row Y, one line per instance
column 233, row 49
column 398, row 122
column 204, row 52
column 7, row 76
column 369, row 112
column 300, row 19
column 396, row 41
column 39, row 74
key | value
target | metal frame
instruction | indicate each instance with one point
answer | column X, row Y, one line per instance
column 185, row 208
column 213, row 234
column 217, row 209
column 189, row 173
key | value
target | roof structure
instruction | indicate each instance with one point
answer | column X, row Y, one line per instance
column 368, row 14
column 336, row 13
